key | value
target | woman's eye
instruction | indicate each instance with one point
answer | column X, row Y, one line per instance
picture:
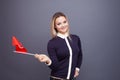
column 58, row 23
column 64, row 21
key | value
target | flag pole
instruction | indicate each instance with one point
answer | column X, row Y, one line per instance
column 24, row 53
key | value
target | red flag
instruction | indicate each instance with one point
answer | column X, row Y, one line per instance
column 18, row 46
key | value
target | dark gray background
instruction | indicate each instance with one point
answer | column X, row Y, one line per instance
column 96, row 22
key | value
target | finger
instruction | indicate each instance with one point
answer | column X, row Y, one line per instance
column 36, row 55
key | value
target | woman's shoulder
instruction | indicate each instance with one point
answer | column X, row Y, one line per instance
column 74, row 36
column 52, row 40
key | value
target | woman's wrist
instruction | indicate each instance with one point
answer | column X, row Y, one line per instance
column 77, row 69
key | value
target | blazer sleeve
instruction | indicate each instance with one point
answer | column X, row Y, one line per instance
column 52, row 54
column 80, row 56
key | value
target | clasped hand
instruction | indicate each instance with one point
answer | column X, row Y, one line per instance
column 43, row 58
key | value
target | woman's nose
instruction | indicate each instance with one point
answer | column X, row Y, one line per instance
column 63, row 25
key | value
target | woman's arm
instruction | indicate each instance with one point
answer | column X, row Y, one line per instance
column 79, row 61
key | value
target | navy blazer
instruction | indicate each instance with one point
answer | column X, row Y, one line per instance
column 59, row 54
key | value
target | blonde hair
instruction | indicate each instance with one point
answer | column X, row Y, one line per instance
column 55, row 16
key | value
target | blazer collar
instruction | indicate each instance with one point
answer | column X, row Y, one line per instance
column 62, row 35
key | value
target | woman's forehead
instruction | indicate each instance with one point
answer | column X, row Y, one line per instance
column 61, row 18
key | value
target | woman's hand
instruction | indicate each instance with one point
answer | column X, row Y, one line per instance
column 76, row 73
column 43, row 58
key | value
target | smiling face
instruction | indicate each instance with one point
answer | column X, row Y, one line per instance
column 61, row 25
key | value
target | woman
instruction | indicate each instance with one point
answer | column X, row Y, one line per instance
column 64, row 49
